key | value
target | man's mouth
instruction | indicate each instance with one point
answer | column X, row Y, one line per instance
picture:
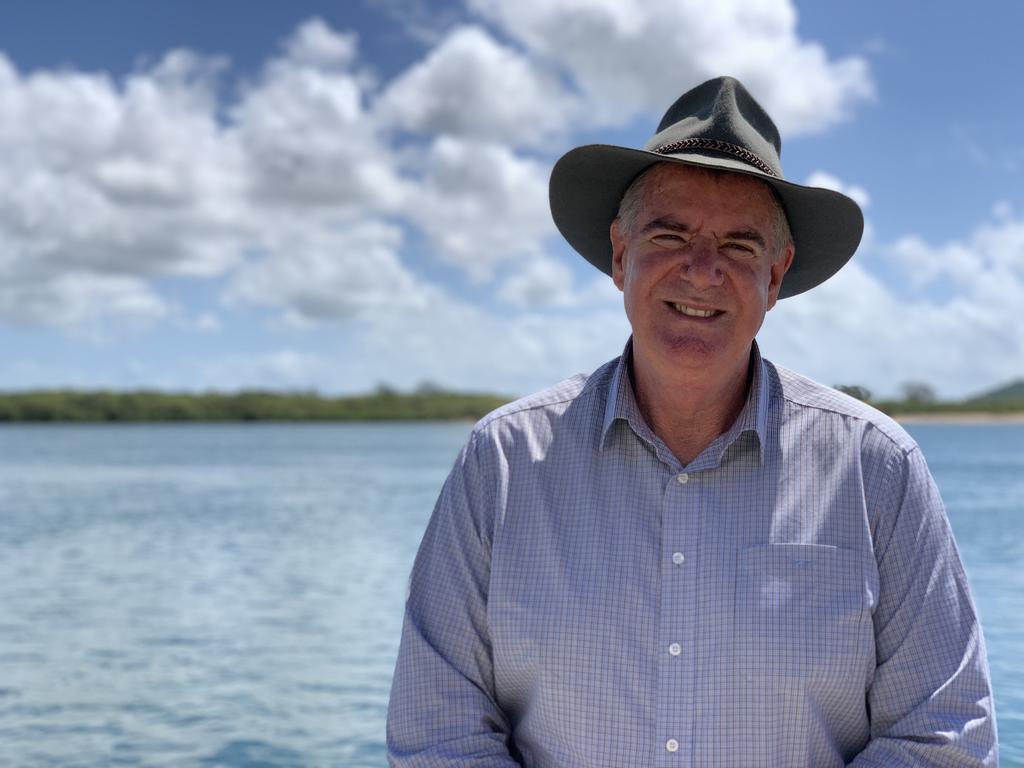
column 689, row 311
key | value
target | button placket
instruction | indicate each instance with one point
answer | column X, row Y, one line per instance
column 675, row 695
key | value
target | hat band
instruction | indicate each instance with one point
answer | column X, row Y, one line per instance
column 715, row 145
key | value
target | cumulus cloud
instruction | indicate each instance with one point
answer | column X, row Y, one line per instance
column 989, row 264
column 305, row 131
column 963, row 339
column 481, row 204
column 827, row 181
column 102, row 186
column 315, row 44
column 118, row 180
column 322, row 196
column 327, row 271
column 455, row 343
column 81, row 303
column 119, row 183
column 539, row 282
column 634, row 56
column 470, row 85
column 158, row 174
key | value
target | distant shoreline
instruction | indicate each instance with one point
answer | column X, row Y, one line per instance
column 960, row 417
column 425, row 404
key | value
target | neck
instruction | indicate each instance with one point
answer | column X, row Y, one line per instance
column 687, row 408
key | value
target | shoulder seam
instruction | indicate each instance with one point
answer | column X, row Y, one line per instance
column 906, row 449
column 527, row 404
column 881, row 427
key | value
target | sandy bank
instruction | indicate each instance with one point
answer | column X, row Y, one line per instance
column 965, row 417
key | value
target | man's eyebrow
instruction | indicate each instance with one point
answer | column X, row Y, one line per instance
column 666, row 222
column 747, row 234
column 674, row 225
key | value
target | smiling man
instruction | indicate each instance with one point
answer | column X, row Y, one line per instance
column 692, row 557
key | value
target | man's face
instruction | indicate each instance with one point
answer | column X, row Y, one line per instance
column 699, row 267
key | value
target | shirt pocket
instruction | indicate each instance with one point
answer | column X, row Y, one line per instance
column 801, row 613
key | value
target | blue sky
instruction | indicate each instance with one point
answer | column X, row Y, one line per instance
column 311, row 195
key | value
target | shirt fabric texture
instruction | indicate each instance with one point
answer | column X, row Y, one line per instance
column 792, row 597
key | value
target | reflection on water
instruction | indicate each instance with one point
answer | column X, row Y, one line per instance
column 230, row 595
column 207, row 595
column 980, row 471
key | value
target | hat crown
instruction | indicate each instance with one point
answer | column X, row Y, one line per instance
column 720, row 118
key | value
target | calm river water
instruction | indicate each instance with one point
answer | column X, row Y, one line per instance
column 231, row 595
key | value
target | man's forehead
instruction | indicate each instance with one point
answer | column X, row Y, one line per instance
column 671, row 185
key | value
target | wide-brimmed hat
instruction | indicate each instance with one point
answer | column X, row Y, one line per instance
column 719, row 125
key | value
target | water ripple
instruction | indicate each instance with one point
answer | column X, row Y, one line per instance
column 231, row 595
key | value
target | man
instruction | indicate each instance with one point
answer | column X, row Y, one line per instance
column 692, row 557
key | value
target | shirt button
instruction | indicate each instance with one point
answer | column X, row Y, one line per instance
column 672, row 745
column 675, row 649
column 683, row 478
column 678, row 558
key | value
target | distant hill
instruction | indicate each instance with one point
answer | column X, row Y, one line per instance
column 1009, row 393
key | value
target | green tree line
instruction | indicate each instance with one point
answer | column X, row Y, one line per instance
column 920, row 398
column 145, row 406
column 426, row 403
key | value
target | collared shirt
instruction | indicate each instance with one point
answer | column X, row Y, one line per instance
column 792, row 597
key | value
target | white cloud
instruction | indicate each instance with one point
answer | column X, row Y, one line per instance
column 856, row 330
column 81, row 303
column 327, row 270
column 305, row 131
column 118, row 183
column 631, row 56
column 457, row 344
column 540, row 282
column 471, row 85
column 284, row 189
column 298, row 193
column 101, row 186
column 481, row 204
column 827, row 181
column 989, row 264
column 207, row 322
column 923, row 263
column 314, row 43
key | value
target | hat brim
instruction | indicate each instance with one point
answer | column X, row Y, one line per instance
column 587, row 185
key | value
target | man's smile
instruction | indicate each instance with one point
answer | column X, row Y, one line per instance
column 686, row 309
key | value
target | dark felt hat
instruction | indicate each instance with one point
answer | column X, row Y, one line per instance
column 719, row 125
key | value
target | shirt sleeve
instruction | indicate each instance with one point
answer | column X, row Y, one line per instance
column 930, row 701
column 443, row 709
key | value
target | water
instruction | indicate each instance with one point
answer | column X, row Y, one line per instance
column 980, row 471
column 206, row 595
column 231, row 595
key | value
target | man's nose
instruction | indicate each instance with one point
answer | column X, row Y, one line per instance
column 701, row 265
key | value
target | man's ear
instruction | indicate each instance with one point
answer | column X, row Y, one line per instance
column 618, row 253
column 779, row 269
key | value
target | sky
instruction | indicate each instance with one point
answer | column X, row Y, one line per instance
column 334, row 196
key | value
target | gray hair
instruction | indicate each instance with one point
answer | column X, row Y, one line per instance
column 633, row 198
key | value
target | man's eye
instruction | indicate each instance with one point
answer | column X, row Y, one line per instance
column 669, row 237
column 738, row 249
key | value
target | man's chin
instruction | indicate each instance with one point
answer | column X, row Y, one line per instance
column 700, row 354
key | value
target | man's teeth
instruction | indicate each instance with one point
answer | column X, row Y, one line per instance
column 694, row 312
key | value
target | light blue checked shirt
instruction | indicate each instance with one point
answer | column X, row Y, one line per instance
column 792, row 597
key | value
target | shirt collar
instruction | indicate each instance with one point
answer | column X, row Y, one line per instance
column 753, row 417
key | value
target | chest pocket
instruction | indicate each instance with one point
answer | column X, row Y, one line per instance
column 801, row 614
